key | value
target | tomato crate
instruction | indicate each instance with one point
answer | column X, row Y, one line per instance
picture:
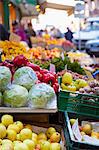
column 77, row 102
column 71, row 142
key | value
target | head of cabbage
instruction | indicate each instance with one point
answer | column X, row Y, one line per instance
column 5, row 77
column 15, row 96
column 25, row 76
column 40, row 94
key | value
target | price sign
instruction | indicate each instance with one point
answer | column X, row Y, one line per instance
column 52, row 68
column 14, row 37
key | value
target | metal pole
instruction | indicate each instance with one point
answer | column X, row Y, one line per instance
column 79, row 46
column 6, row 13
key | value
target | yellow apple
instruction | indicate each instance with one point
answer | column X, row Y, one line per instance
column 11, row 135
column 67, row 78
column 42, row 136
column 6, row 141
column 55, row 146
column 7, row 147
column 16, row 142
column 87, row 128
column 25, row 134
column 95, row 134
column 34, row 135
column 14, row 127
column 18, row 137
column 28, row 126
column 21, row 146
column 82, row 133
column 72, row 121
column 50, row 131
column 40, row 141
column 0, row 141
column 45, row 145
column 7, row 120
column 31, row 144
column 19, row 124
column 55, row 137
column 2, row 131
column 34, row 140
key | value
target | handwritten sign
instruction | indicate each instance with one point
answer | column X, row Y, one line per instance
column 14, row 37
column 52, row 68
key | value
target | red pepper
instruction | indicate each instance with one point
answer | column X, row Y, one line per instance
column 33, row 66
column 46, row 78
column 39, row 75
column 56, row 87
column 20, row 60
column 51, row 78
column 44, row 71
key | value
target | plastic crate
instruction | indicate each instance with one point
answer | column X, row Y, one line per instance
column 80, row 103
column 75, row 145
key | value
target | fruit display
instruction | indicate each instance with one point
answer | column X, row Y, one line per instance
column 69, row 84
column 11, row 49
column 19, row 136
column 86, row 131
column 44, row 54
column 78, row 83
column 83, row 58
column 60, row 64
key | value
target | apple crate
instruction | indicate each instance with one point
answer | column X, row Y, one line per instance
column 71, row 143
column 77, row 102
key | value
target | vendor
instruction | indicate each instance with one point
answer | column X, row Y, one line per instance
column 4, row 34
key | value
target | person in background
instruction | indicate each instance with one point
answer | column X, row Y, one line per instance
column 4, row 34
column 19, row 30
column 30, row 31
column 69, row 35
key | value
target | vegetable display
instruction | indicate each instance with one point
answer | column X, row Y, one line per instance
column 40, row 95
column 25, row 76
column 5, row 77
column 15, row 96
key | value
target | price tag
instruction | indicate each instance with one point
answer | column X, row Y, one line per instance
column 14, row 37
column 89, row 75
column 62, row 55
column 52, row 68
column 76, row 131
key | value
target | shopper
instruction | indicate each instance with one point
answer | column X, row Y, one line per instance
column 69, row 35
column 19, row 30
column 30, row 31
column 4, row 34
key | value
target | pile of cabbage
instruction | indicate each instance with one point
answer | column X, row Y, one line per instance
column 23, row 90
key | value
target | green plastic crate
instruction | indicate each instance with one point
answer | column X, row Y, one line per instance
column 76, row 102
column 75, row 145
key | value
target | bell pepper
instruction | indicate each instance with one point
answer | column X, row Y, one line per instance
column 20, row 60
column 51, row 78
column 33, row 66
column 46, row 78
column 39, row 75
column 56, row 87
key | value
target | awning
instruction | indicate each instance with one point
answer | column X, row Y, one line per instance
column 27, row 7
column 69, row 8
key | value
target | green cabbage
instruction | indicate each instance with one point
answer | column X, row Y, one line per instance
column 25, row 76
column 5, row 77
column 0, row 98
column 15, row 96
column 40, row 95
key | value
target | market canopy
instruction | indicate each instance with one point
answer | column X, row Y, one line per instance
column 27, row 7
column 67, row 5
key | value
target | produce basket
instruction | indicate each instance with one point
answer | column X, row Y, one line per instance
column 78, row 102
column 39, row 123
column 71, row 143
